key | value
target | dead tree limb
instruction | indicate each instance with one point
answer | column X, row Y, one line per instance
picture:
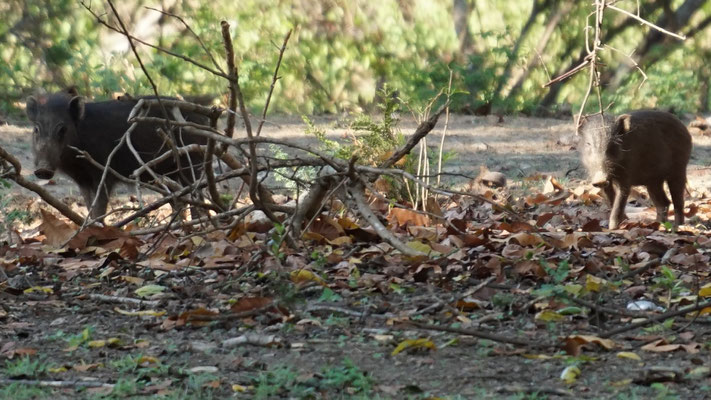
column 197, row 37
column 422, row 130
column 657, row 318
column 356, row 190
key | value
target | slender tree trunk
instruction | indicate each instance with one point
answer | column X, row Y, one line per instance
column 517, row 79
column 704, row 94
column 461, row 10
column 538, row 7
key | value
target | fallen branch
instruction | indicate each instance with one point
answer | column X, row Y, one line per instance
column 57, row 384
column 484, row 335
column 123, row 300
column 658, row 318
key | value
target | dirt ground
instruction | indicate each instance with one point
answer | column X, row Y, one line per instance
column 460, row 368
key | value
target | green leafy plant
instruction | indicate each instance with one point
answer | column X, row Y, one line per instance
column 347, row 375
column 667, row 280
column 25, row 367
column 278, row 234
column 558, row 274
column 18, row 391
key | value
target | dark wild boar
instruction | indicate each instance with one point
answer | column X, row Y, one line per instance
column 638, row 148
column 62, row 120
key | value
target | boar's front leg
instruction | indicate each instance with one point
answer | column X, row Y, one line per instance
column 617, row 213
column 101, row 203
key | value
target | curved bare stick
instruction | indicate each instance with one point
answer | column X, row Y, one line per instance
column 657, row 318
column 191, row 148
column 43, row 194
column 356, row 191
column 155, row 229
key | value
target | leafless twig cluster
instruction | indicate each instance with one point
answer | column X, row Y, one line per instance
column 594, row 47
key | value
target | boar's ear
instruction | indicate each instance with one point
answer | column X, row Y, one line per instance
column 623, row 124
column 76, row 108
column 124, row 97
column 72, row 91
column 31, row 107
column 580, row 123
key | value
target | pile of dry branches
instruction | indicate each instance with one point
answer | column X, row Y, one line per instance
column 340, row 178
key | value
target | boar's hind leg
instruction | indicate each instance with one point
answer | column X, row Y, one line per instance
column 660, row 200
column 676, row 188
column 617, row 213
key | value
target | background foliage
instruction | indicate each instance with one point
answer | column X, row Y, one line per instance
column 343, row 52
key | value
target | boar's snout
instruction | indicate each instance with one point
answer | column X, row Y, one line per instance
column 44, row 173
column 600, row 180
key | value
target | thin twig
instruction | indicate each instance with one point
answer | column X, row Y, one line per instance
column 202, row 44
column 274, row 81
column 645, row 22
column 444, row 129
column 143, row 42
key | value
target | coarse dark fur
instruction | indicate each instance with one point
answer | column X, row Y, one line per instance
column 638, row 148
column 63, row 120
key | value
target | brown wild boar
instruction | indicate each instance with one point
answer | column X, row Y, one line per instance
column 638, row 148
column 63, row 120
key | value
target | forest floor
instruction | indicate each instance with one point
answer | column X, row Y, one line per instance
column 536, row 303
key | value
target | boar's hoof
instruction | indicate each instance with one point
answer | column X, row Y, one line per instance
column 44, row 173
